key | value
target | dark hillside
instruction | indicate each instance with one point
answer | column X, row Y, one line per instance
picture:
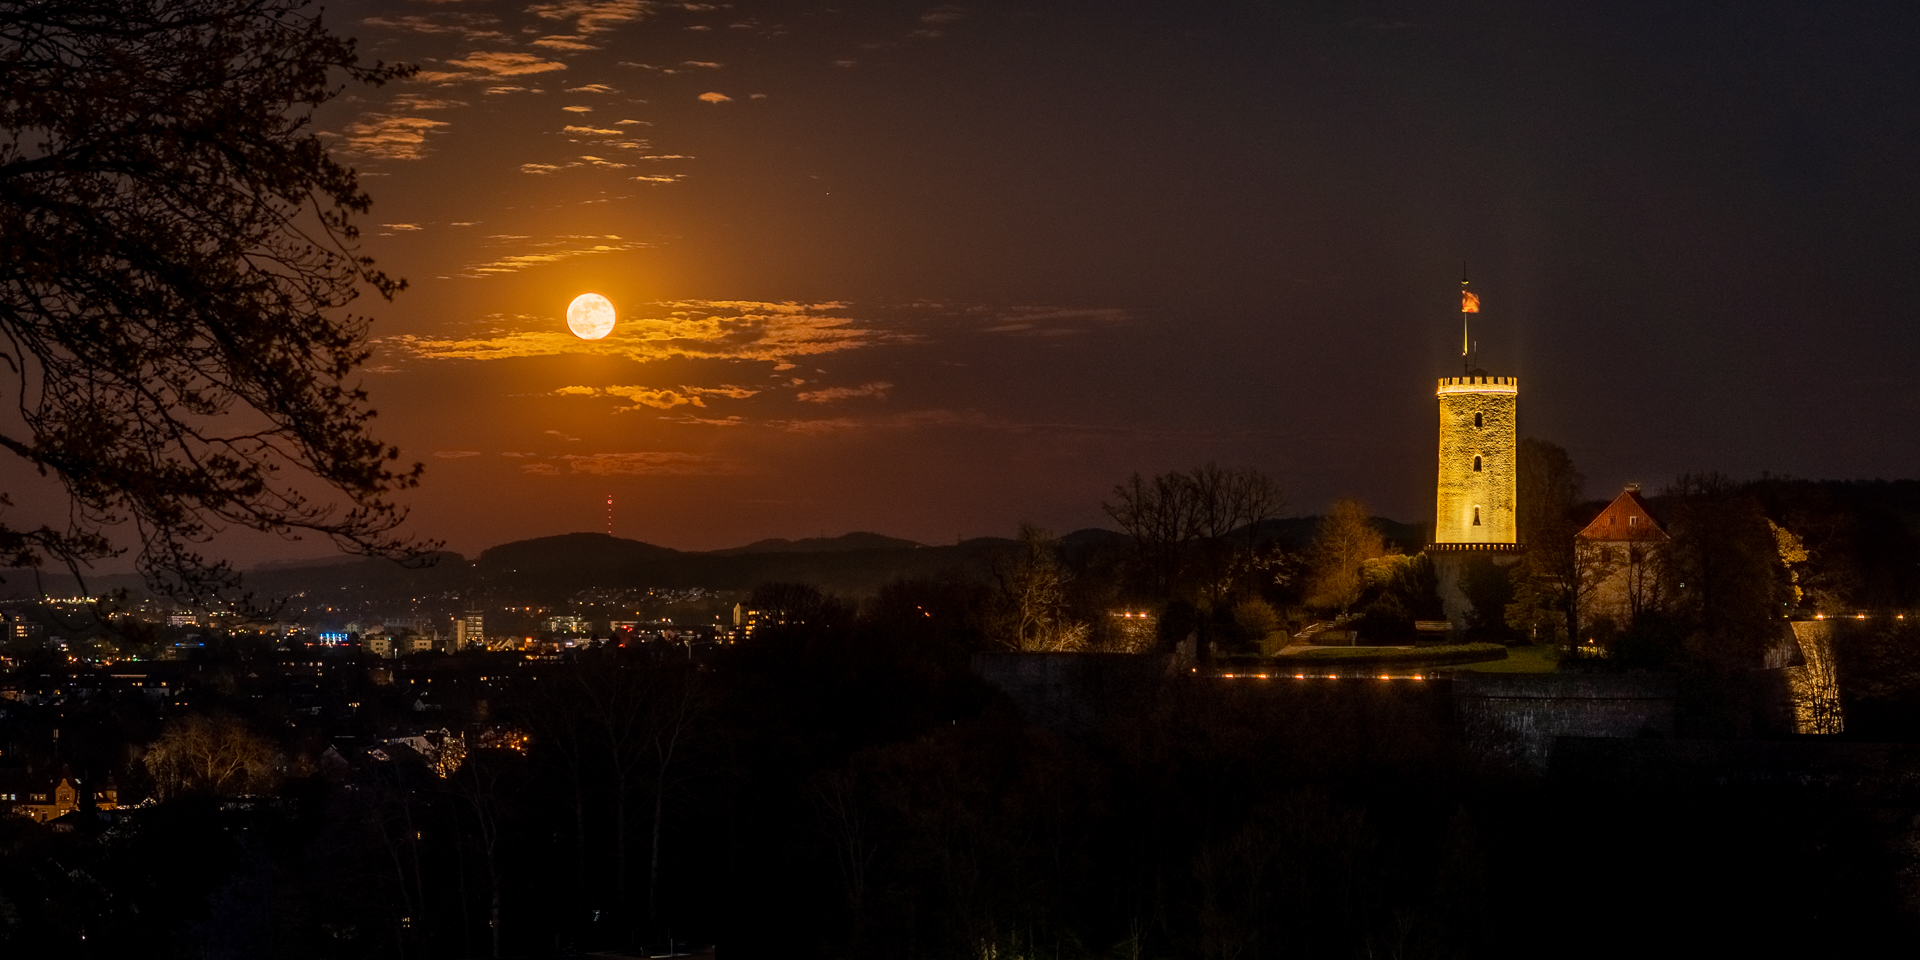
column 840, row 544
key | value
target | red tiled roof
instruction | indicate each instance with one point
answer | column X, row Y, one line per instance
column 1626, row 518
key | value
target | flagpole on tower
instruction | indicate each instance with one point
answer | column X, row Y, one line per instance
column 1469, row 303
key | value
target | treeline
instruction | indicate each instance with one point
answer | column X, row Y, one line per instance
column 1743, row 559
column 845, row 787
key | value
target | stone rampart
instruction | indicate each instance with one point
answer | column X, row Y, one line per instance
column 1520, row 714
column 1073, row 689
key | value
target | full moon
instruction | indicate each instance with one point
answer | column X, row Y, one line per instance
column 590, row 316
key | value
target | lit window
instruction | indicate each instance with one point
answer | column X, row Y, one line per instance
column 1476, row 464
column 1476, row 510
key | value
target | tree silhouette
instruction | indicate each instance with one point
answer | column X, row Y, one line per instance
column 1169, row 515
column 179, row 255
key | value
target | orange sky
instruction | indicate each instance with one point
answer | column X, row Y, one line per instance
column 931, row 271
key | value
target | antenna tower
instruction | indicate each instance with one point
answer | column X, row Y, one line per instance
column 609, row 514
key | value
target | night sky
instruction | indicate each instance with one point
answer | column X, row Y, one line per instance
column 934, row 270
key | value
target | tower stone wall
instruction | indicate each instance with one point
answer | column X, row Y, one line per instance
column 1479, row 460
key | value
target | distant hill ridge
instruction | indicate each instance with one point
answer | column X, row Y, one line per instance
column 859, row 540
column 544, row 569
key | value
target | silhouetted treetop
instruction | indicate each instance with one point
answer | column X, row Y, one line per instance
column 179, row 252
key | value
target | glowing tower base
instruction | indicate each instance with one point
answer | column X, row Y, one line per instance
column 1475, row 513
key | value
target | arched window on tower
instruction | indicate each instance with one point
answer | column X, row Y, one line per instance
column 1476, row 421
column 1476, row 464
column 1476, row 516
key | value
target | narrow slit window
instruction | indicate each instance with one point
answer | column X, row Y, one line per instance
column 1476, row 421
column 1476, row 516
column 1476, row 464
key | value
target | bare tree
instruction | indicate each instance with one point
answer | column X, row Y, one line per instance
column 478, row 783
column 645, row 716
column 1550, row 576
column 565, row 731
column 845, row 820
column 1227, row 501
column 1159, row 514
column 1814, row 685
column 676, row 707
column 1031, row 596
column 1344, row 542
column 1174, row 513
column 214, row 754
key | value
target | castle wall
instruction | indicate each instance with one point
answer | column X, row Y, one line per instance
column 1521, row 714
column 1494, row 440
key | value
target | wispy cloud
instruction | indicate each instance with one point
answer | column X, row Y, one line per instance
column 696, row 329
column 470, row 26
column 708, row 421
column 725, row 390
column 551, row 251
column 455, row 454
column 1052, row 321
column 659, row 398
column 817, row 427
column 712, row 97
column 592, row 88
column 584, row 161
column 403, row 226
column 876, row 390
column 564, row 43
column 387, row 137
column 649, row 463
column 491, row 65
column 593, row 16
column 409, row 102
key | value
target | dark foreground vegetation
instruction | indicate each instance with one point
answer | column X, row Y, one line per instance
column 843, row 784
column 846, row 787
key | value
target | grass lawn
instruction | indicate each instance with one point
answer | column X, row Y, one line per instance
column 1538, row 658
column 1457, row 653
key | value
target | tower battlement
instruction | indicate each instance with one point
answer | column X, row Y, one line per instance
column 1479, row 385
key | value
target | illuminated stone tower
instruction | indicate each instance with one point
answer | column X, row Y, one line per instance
column 1474, row 495
column 1475, row 501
